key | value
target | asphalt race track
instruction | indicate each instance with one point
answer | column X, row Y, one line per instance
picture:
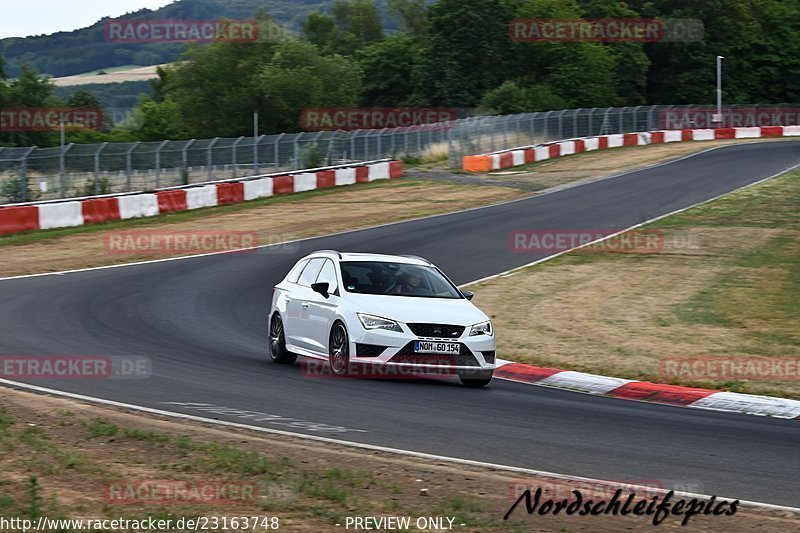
column 203, row 322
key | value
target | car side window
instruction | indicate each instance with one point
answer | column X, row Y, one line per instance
column 328, row 275
column 310, row 272
column 294, row 275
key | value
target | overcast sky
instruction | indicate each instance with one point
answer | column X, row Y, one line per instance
column 20, row 18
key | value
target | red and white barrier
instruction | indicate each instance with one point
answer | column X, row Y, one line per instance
column 305, row 182
column 650, row 392
column 61, row 215
column 379, row 171
column 198, row 197
column 138, row 205
column 344, row 176
column 261, row 188
column 529, row 154
column 27, row 217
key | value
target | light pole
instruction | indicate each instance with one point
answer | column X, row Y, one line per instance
column 719, row 90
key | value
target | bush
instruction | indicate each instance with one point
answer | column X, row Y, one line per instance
column 17, row 189
column 96, row 186
column 311, row 156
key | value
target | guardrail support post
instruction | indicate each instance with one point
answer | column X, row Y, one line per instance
column 233, row 154
column 23, row 172
column 128, row 165
column 97, row 168
column 158, row 163
column 277, row 149
column 210, row 160
column 62, row 169
column 256, row 142
column 185, row 162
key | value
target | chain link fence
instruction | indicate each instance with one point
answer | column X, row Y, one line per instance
column 478, row 135
column 29, row 174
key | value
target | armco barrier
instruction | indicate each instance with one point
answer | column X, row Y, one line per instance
column 530, row 154
column 90, row 210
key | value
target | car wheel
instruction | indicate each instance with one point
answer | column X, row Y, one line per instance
column 277, row 342
column 475, row 379
column 339, row 350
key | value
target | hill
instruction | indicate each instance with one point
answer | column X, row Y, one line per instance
column 83, row 50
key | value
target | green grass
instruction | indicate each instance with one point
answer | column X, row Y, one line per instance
column 147, row 436
column 100, row 428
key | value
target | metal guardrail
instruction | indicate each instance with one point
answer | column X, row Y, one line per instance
column 31, row 173
column 198, row 184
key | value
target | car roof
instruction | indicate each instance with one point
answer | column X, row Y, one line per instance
column 384, row 258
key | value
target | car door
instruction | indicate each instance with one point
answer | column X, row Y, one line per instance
column 297, row 325
column 321, row 310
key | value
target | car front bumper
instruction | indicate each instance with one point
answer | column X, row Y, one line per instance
column 396, row 349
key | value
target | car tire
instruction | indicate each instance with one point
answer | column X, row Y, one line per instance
column 474, row 379
column 277, row 342
column 339, row 349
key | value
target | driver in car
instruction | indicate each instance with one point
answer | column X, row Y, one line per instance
column 410, row 284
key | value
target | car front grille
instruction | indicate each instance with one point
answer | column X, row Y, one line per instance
column 438, row 331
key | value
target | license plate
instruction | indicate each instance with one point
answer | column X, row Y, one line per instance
column 436, row 347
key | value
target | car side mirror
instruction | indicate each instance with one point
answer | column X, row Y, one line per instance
column 468, row 294
column 320, row 287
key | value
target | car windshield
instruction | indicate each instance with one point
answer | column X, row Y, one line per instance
column 396, row 279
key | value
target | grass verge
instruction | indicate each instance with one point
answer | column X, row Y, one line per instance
column 724, row 283
column 63, row 459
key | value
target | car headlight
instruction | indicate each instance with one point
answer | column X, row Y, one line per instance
column 377, row 322
column 484, row 328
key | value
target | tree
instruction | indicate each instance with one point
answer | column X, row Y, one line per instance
column 28, row 90
column 359, row 17
column 582, row 74
column 630, row 58
column 83, row 100
column 214, row 90
column 410, row 15
column 683, row 72
column 299, row 77
column 320, row 30
column 159, row 121
column 511, row 97
column 354, row 24
column 388, row 68
column 467, row 52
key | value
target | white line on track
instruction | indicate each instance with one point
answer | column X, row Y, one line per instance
column 373, row 447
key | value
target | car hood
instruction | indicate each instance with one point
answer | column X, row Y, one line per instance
column 428, row 310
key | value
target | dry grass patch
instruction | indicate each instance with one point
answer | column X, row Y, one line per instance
column 726, row 284
column 59, row 455
column 273, row 220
